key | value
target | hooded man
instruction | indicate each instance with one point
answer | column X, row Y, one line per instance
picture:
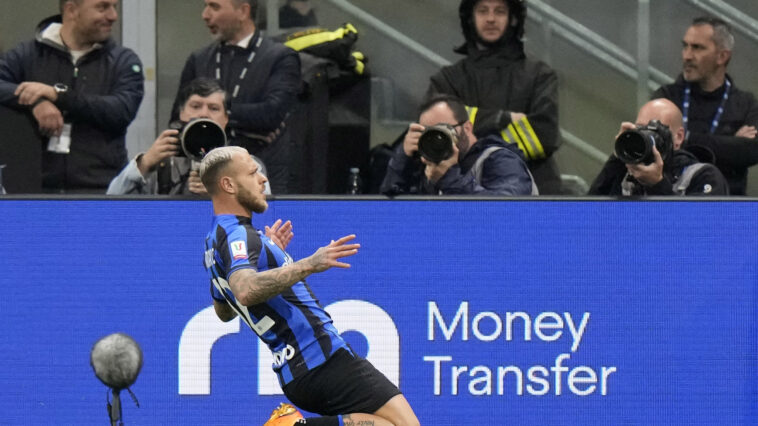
column 506, row 93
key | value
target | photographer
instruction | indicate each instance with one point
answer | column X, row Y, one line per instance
column 662, row 168
column 202, row 98
column 449, row 160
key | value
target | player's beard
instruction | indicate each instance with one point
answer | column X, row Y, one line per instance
column 250, row 202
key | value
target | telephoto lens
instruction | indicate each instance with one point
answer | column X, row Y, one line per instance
column 436, row 143
column 635, row 146
column 198, row 136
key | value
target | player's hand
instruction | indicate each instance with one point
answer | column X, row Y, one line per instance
column 329, row 256
column 648, row 174
column 165, row 146
column 749, row 132
column 410, row 142
column 30, row 92
column 49, row 118
column 280, row 234
column 195, row 185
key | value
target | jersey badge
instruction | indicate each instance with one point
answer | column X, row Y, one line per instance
column 239, row 250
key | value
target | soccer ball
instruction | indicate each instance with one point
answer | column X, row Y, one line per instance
column 284, row 415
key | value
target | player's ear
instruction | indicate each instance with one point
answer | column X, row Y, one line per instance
column 226, row 184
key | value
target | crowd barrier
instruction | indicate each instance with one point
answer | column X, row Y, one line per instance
column 484, row 312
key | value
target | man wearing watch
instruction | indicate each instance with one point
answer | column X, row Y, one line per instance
column 82, row 90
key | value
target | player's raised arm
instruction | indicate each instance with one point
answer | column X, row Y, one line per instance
column 251, row 288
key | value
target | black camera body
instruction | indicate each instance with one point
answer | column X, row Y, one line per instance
column 636, row 146
column 198, row 136
column 436, row 142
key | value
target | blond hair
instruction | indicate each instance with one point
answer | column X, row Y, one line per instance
column 215, row 162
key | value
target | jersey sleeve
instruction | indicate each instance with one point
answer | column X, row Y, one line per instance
column 235, row 248
column 241, row 250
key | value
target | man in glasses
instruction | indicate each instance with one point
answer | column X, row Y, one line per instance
column 487, row 166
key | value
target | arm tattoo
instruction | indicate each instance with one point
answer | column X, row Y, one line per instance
column 254, row 288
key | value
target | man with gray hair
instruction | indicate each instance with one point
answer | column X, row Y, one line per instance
column 720, row 120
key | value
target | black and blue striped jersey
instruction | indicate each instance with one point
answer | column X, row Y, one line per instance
column 293, row 324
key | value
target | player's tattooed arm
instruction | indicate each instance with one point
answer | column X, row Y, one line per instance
column 251, row 288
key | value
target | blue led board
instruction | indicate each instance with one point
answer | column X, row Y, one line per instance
column 528, row 312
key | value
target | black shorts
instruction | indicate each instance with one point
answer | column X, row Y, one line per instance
column 344, row 384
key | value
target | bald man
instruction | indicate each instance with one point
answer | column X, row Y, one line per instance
column 679, row 174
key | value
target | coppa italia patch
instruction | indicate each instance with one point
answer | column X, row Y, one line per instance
column 239, row 250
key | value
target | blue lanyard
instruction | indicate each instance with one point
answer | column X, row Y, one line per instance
column 719, row 112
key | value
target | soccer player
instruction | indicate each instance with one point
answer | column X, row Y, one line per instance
column 253, row 277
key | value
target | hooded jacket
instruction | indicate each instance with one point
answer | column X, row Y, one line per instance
column 503, row 173
column 105, row 89
column 496, row 79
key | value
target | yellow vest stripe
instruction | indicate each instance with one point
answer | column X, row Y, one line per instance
column 532, row 138
column 472, row 112
column 512, row 130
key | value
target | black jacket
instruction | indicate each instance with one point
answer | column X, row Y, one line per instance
column 733, row 154
column 501, row 80
column 105, row 91
column 266, row 96
column 706, row 181
column 503, row 173
column 268, row 91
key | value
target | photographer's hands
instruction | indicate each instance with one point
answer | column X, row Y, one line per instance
column 625, row 126
column 410, row 143
column 435, row 171
column 648, row 174
column 166, row 146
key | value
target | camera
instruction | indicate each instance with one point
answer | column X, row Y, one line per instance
column 436, row 142
column 636, row 146
column 198, row 136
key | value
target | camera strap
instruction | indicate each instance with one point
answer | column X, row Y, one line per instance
column 719, row 111
column 477, row 168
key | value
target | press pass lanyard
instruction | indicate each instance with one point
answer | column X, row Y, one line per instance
column 719, row 112
column 244, row 72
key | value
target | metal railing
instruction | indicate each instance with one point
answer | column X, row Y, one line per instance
column 572, row 30
column 592, row 43
column 739, row 20
column 636, row 68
